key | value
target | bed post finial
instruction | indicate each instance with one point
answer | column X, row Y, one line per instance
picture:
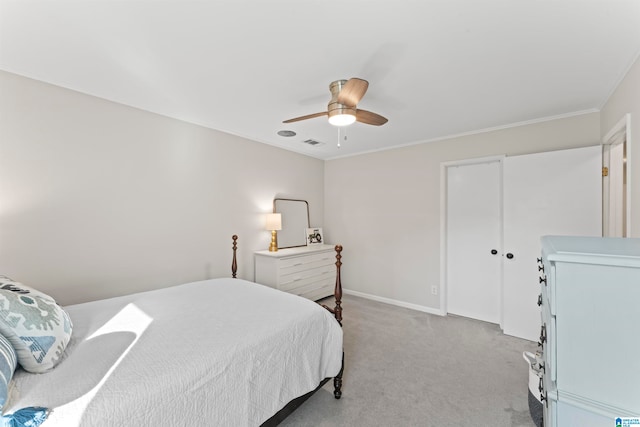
column 234, row 263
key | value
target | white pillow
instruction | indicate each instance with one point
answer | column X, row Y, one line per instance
column 37, row 327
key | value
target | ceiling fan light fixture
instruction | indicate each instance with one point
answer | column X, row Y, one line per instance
column 344, row 119
column 341, row 115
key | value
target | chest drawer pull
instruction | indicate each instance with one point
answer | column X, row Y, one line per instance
column 543, row 280
column 539, row 300
column 543, row 335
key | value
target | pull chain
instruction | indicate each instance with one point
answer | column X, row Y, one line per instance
column 340, row 135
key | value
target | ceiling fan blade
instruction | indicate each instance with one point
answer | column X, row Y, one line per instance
column 352, row 92
column 308, row 116
column 369, row 118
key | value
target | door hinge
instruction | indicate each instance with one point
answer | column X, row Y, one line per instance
column 605, row 171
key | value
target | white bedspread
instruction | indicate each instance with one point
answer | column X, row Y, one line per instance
column 223, row 352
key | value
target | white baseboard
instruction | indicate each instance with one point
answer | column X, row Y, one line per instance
column 408, row 305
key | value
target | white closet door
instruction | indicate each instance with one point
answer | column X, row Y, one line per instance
column 552, row 193
column 473, row 231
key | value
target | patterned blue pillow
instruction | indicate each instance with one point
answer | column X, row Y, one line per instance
column 37, row 327
column 8, row 363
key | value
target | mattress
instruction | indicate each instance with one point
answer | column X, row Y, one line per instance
column 218, row 352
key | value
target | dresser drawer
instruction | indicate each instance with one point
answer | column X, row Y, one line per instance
column 550, row 347
column 298, row 264
column 312, row 287
column 302, row 278
column 306, row 259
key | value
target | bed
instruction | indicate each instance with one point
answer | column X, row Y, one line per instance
column 223, row 352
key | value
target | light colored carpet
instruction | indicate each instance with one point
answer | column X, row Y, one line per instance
column 408, row 368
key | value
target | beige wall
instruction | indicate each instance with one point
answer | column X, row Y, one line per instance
column 384, row 207
column 626, row 100
column 99, row 199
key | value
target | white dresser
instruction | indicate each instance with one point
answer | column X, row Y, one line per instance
column 308, row 271
column 590, row 334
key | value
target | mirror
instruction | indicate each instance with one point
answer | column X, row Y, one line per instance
column 295, row 221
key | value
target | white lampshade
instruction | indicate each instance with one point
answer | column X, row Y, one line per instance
column 274, row 222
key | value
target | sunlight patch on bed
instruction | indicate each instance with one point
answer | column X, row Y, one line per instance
column 129, row 319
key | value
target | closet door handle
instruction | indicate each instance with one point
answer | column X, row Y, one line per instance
column 510, row 255
column 494, row 251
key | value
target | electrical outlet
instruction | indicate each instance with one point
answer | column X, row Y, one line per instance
column 434, row 290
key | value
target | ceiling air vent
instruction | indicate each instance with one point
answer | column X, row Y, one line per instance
column 313, row 142
column 286, row 133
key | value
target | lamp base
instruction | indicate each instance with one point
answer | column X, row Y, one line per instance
column 273, row 247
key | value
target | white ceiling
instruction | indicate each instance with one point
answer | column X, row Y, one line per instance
column 435, row 68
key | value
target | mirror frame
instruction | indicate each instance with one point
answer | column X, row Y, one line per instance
column 292, row 234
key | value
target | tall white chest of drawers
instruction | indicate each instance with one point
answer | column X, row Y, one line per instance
column 590, row 334
column 308, row 271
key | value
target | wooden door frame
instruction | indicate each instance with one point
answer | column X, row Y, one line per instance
column 443, row 224
column 623, row 126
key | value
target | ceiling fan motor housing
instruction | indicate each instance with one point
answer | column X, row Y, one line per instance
column 335, row 108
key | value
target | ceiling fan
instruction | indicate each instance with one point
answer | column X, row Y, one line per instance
column 342, row 111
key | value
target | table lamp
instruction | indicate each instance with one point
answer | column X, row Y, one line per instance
column 274, row 223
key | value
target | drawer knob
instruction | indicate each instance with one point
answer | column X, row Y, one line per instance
column 509, row 255
column 543, row 280
column 539, row 300
column 541, row 267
